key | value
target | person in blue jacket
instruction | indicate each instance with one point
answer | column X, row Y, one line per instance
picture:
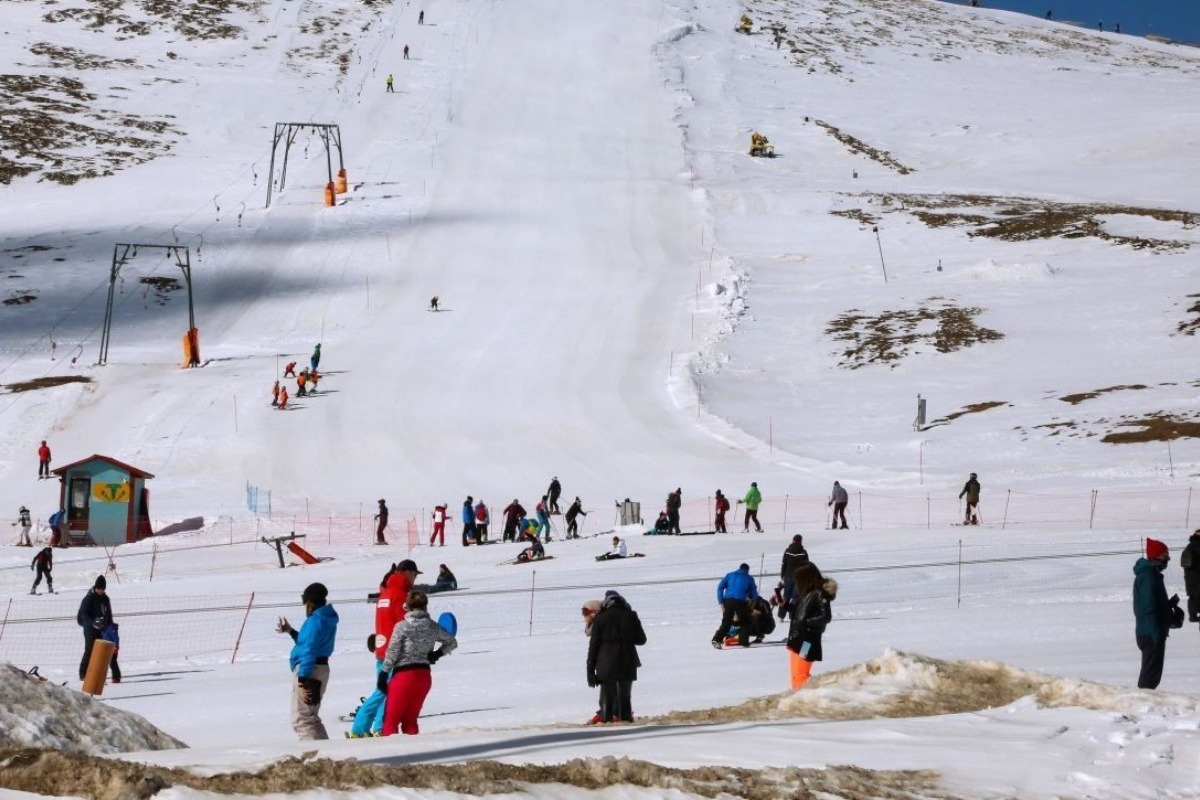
column 735, row 593
column 1152, row 610
column 309, row 660
column 468, row 519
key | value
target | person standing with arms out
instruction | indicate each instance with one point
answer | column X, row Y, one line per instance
column 390, row 81
column 811, row 613
column 482, row 519
column 309, row 660
column 43, row 460
column 674, row 503
column 94, row 616
column 43, row 562
column 752, row 500
column 382, row 519
column 440, row 516
column 720, row 509
column 1152, row 612
column 315, row 359
column 24, row 522
column 1190, row 561
column 735, row 593
column 572, row 518
column 612, row 661
column 971, row 491
column 468, row 520
column 838, row 498
column 552, row 494
column 514, row 512
column 405, row 675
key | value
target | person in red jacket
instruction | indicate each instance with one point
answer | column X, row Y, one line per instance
column 439, row 526
column 389, row 608
column 44, row 460
column 513, row 514
column 721, row 506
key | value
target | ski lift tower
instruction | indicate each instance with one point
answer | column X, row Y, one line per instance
column 330, row 134
column 122, row 254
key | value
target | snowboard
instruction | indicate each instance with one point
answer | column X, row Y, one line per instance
column 449, row 623
column 533, row 561
column 631, row 555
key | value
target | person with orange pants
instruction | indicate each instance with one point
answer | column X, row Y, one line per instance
column 811, row 613
column 405, row 675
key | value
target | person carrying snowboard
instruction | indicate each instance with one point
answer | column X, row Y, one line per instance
column 572, row 518
column 25, row 523
column 43, row 562
column 394, row 589
column 971, row 490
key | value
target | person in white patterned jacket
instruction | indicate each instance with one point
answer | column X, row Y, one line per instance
column 405, row 675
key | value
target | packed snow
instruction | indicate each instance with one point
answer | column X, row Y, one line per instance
column 994, row 212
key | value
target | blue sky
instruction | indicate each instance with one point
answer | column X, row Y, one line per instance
column 1175, row 19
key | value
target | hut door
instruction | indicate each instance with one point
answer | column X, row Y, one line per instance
column 77, row 504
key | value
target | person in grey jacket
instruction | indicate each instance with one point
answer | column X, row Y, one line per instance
column 404, row 675
column 838, row 498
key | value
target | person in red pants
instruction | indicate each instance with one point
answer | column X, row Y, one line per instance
column 439, row 526
column 405, row 676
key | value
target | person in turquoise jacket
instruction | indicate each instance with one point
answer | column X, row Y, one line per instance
column 752, row 501
column 1152, row 611
column 735, row 593
column 309, row 660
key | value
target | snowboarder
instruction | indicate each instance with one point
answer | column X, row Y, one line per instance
column 971, row 491
column 535, row 552
column 406, row 52
column 468, row 520
column 573, row 512
column 289, row 370
column 481, row 522
column 735, row 592
column 1190, row 561
column 1152, row 611
column 25, row 523
column 619, row 550
column 446, row 582
column 43, row 562
column 439, row 525
column 720, row 508
column 811, row 613
column 382, row 519
column 405, row 675
column 662, row 525
column 612, row 659
column 43, row 460
column 421, row 18
column 309, row 660
column 552, row 494
column 283, row 398
column 838, row 499
column 543, row 518
column 94, row 616
column 390, row 81
column 514, row 512
column 433, row 303
column 752, row 501
column 674, row 503
column 315, row 359
column 275, row 394
column 56, row 528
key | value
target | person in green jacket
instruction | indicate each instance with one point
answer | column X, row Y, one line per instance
column 752, row 501
column 1152, row 610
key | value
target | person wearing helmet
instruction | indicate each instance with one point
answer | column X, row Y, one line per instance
column 309, row 660
column 970, row 490
column 26, row 523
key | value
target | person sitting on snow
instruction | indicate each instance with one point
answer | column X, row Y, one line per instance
column 535, row 552
column 619, row 550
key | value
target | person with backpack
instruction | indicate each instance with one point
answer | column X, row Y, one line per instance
column 482, row 518
column 838, row 498
column 971, row 491
column 514, row 512
column 735, row 593
column 468, row 520
column 94, row 617
column 811, row 613
column 56, row 528
column 572, row 518
column 43, row 562
column 612, row 660
column 25, row 522
column 720, row 508
column 752, row 501
column 674, row 503
column 405, row 676
column 1190, row 561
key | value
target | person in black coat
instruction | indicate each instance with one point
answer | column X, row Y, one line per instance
column 1190, row 561
column 95, row 615
column 793, row 557
column 612, row 660
column 811, row 613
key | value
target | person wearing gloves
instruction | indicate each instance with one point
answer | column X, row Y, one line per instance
column 94, row 616
column 405, row 676
column 1153, row 612
column 309, row 660
column 735, row 593
column 612, row 660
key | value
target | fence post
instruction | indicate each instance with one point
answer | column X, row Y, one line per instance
column 532, row 587
column 1007, row 497
column 242, row 629
column 4, row 624
column 1092, row 512
column 231, row 530
column 153, row 559
column 959, row 592
column 360, row 518
column 860, row 516
column 307, row 513
column 329, row 539
column 928, row 512
column 785, row 510
column 1187, row 514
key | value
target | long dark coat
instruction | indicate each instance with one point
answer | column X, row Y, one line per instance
column 616, row 635
column 809, row 618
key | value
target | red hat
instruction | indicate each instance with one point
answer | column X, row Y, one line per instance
column 1156, row 550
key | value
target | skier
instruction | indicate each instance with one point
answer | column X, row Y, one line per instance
column 43, row 460
column 394, row 589
column 405, row 676
column 838, row 499
column 468, row 520
column 481, row 522
column 301, row 379
column 810, row 615
column 735, row 592
column 316, row 357
column 283, row 398
column 752, row 500
column 43, row 562
column 421, row 18
column 619, row 550
column 389, row 83
column 289, row 370
column 309, row 660
column 275, row 394
column 720, row 507
column 535, row 552
column 406, row 52
column 94, row 616
column 794, row 556
column 612, row 659
column 553, row 493
column 1190, row 561
column 24, row 521
column 572, row 518
column 313, row 377
column 1152, row 611
column 433, row 303
column 513, row 513
column 56, row 528
column 674, row 502
column 971, row 491
column 382, row 518
column 439, row 525
column 543, row 517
